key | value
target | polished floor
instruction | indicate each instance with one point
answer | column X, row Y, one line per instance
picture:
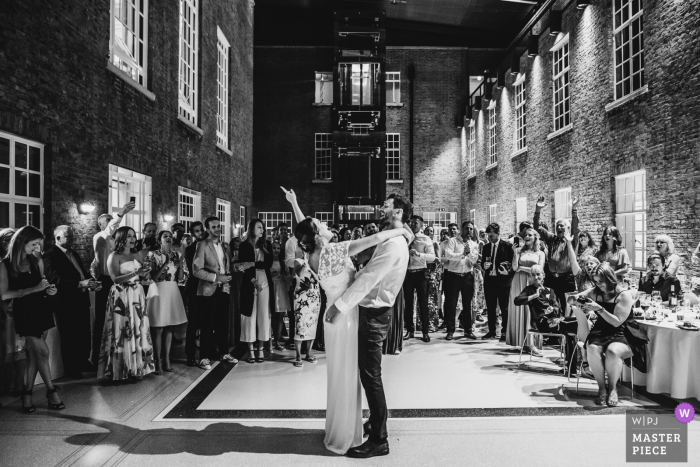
column 462, row 401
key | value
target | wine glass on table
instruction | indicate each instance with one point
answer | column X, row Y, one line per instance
column 656, row 300
column 644, row 303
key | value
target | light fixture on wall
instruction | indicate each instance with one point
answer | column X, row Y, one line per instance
column 168, row 217
column 477, row 103
column 532, row 45
column 501, row 79
column 86, row 207
column 488, row 90
column 581, row 4
column 555, row 20
column 515, row 64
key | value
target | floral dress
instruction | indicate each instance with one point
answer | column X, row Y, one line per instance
column 307, row 302
column 164, row 302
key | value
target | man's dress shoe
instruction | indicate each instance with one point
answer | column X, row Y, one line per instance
column 409, row 335
column 368, row 449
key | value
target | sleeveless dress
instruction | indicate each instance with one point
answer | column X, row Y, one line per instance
column 32, row 313
column 344, row 400
column 127, row 349
column 164, row 302
column 519, row 316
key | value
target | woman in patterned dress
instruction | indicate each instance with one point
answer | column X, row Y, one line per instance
column 479, row 300
column 164, row 302
column 127, row 350
column 307, row 305
column 434, row 276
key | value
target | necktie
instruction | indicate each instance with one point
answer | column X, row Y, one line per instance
column 494, row 248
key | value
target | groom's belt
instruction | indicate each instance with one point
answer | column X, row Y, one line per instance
column 418, row 270
column 459, row 273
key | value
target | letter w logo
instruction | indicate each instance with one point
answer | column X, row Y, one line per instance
column 685, row 413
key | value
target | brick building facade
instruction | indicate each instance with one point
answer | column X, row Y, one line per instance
column 651, row 133
column 58, row 92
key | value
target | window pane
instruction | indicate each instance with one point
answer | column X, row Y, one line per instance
column 20, row 183
column 4, row 214
column 34, row 158
column 20, row 215
column 4, row 151
column 34, row 185
column 20, row 155
column 4, row 182
column 34, row 216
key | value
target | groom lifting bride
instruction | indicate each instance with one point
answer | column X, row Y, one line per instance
column 357, row 320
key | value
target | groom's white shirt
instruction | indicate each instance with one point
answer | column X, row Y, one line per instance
column 378, row 284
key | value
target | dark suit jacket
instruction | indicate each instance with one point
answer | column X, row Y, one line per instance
column 503, row 254
column 246, row 254
column 59, row 270
column 192, row 281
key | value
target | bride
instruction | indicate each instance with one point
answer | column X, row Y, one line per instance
column 332, row 263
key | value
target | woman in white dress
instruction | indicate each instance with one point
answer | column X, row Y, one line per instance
column 332, row 262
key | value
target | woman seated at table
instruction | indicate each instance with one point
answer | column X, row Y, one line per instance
column 545, row 312
column 667, row 250
column 656, row 279
column 615, row 335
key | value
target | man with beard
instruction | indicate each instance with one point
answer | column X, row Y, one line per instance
column 193, row 311
column 421, row 253
column 148, row 237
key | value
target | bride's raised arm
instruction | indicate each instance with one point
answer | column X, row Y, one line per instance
column 292, row 198
column 361, row 244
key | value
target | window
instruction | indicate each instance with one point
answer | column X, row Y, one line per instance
column 472, row 151
column 125, row 184
column 223, row 212
column 562, row 204
column 189, row 37
column 128, row 42
column 222, row 47
column 520, row 212
column 241, row 221
column 393, row 156
column 324, row 88
column 492, row 136
column 560, row 89
column 190, row 207
column 439, row 220
column 393, row 88
column 472, row 216
column 21, row 182
column 360, row 216
column 631, row 217
column 520, row 120
column 324, row 145
column 325, row 217
column 272, row 219
column 358, row 83
column 628, row 42
column 492, row 213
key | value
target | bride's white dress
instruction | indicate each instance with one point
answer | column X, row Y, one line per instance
column 344, row 407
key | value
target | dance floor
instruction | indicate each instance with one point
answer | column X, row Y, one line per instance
column 461, row 378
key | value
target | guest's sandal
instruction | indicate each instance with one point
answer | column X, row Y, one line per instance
column 31, row 408
column 601, row 399
column 261, row 356
column 52, row 406
column 251, row 358
column 310, row 359
column 612, row 399
column 298, row 364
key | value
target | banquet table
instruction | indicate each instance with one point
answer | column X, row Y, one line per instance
column 673, row 360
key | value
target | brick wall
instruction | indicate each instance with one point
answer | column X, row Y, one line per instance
column 656, row 131
column 55, row 89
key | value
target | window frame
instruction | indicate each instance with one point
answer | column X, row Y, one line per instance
column 493, row 213
column 319, row 88
column 438, row 220
column 619, row 62
column 187, row 107
column 393, row 156
column 325, row 216
column 143, row 212
column 472, row 216
column 637, row 214
column 223, row 49
column 323, row 156
column 471, row 167
column 562, row 209
column 393, row 77
column 242, row 220
column 520, row 212
column 11, row 197
column 226, row 224
column 276, row 217
column 563, row 120
column 196, row 206
column 520, row 99
column 118, row 54
column 493, row 149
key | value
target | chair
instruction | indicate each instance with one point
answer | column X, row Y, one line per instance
column 580, row 371
column 535, row 332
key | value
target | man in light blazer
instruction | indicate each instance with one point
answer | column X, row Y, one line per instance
column 210, row 265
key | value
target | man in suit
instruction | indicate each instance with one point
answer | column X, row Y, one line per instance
column 496, row 262
column 71, row 303
column 210, row 265
column 193, row 311
column 421, row 253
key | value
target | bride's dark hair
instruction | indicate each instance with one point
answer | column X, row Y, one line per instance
column 306, row 233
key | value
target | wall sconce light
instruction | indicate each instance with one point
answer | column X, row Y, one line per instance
column 168, row 217
column 581, row 4
column 555, row 17
column 488, row 90
column 477, row 103
column 515, row 64
column 532, row 45
column 86, row 207
column 501, row 79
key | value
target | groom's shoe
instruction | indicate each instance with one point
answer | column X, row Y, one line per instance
column 368, row 449
column 449, row 336
column 408, row 335
column 426, row 338
column 366, row 429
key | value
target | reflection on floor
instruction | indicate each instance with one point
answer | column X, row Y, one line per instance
column 263, row 414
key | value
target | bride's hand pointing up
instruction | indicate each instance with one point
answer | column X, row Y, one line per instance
column 290, row 195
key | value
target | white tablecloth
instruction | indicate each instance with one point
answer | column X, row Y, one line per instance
column 674, row 360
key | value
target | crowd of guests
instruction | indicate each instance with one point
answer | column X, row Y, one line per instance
column 148, row 289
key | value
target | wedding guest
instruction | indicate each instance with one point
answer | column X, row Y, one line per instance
column 194, row 315
column 612, row 252
column 282, row 233
column 434, row 283
column 561, row 257
column 615, row 336
column 584, row 279
column 478, row 301
column 497, row 264
column 336, row 236
column 211, row 265
column 526, row 254
column 307, row 295
column 13, row 348
column 666, row 248
column 656, row 280
column 445, row 235
column 178, row 233
column 187, row 240
column 356, row 232
column 22, row 281
column 148, row 232
column 71, row 304
column 461, row 256
column 585, row 245
column 290, row 254
column 421, row 253
column 164, row 302
column 103, row 245
column 126, row 350
column 280, row 279
column 345, row 234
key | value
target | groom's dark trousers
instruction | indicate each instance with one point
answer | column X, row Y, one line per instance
column 373, row 328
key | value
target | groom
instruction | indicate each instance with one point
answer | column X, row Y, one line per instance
column 375, row 290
